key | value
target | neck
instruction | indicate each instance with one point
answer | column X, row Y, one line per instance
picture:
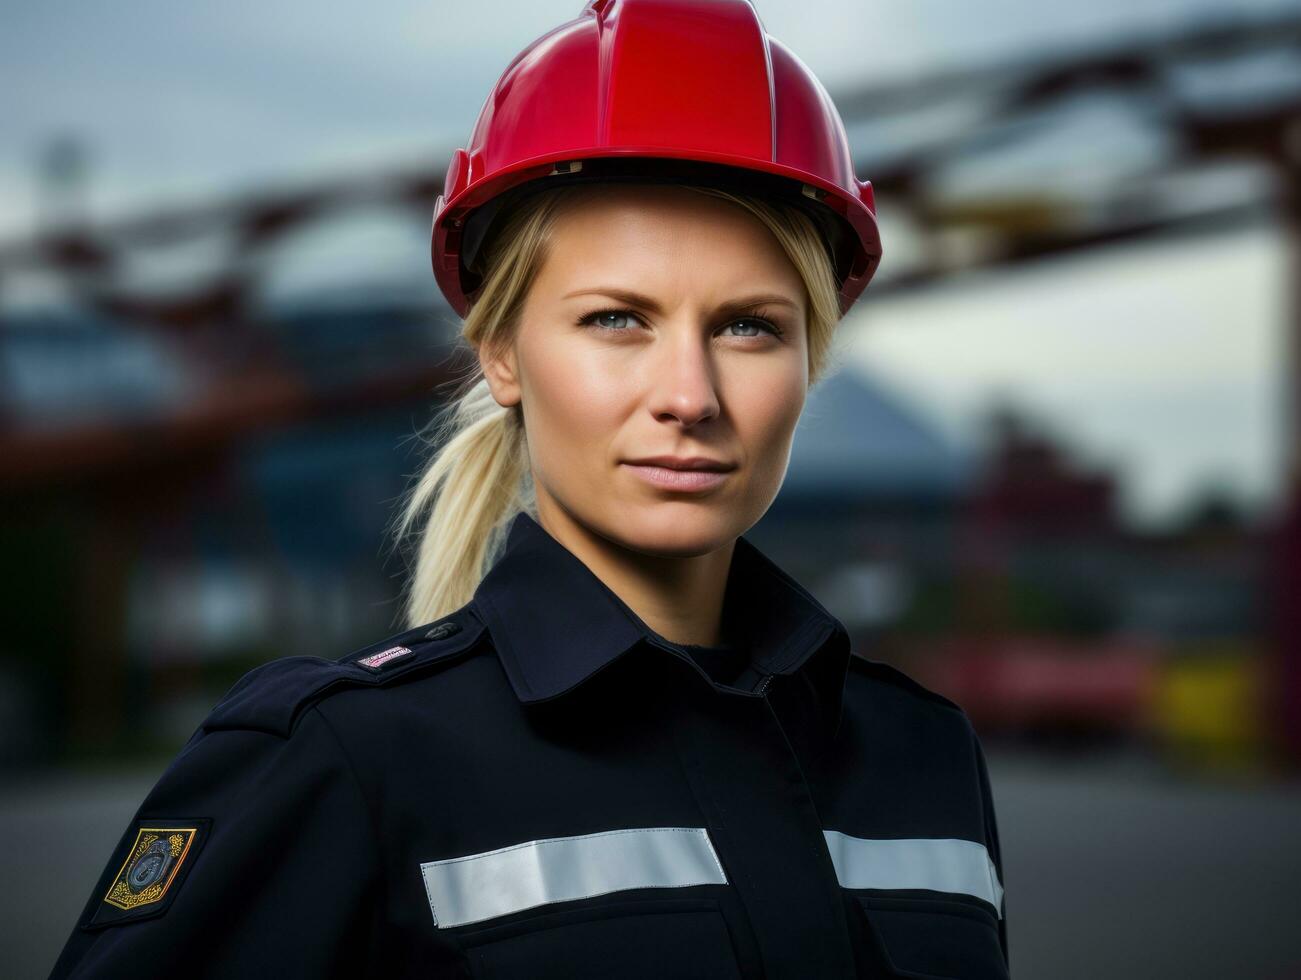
column 679, row 597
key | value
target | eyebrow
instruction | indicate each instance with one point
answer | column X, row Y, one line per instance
column 646, row 303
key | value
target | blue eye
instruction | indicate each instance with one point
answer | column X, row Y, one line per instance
column 758, row 322
column 591, row 318
column 600, row 319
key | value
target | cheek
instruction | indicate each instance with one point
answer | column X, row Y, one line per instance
column 573, row 409
column 766, row 415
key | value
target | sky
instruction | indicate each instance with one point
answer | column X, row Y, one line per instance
column 1162, row 363
column 184, row 102
column 191, row 99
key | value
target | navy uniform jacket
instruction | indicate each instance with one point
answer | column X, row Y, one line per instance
column 539, row 785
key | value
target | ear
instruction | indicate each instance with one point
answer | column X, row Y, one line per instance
column 500, row 370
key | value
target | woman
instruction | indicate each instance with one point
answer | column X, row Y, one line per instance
column 635, row 747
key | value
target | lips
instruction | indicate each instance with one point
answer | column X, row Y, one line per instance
column 696, row 475
column 704, row 463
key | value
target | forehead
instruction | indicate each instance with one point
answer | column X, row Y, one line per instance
column 664, row 232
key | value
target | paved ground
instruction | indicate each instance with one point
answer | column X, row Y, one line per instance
column 1119, row 870
column 1114, row 869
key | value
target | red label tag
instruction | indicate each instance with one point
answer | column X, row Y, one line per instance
column 383, row 657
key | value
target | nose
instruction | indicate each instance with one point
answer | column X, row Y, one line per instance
column 683, row 387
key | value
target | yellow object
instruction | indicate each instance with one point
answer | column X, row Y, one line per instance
column 1208, row 704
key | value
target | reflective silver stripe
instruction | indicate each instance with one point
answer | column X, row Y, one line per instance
column 943, row 864
column 479, row 886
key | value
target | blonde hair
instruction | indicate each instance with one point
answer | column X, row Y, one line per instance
column 478, row 477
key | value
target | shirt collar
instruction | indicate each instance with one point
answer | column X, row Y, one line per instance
column 539, row 598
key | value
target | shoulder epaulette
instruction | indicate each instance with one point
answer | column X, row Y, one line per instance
column 272, row 697
column 893, row 675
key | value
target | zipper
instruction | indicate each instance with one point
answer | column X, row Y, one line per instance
column 763, row 686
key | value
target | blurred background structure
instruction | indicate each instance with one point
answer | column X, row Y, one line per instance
column 1057, row 478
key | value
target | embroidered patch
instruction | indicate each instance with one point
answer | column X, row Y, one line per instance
column 151, row 866
column 378, row 660
column 152, row 869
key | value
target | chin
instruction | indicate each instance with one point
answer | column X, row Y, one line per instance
column 678, row 529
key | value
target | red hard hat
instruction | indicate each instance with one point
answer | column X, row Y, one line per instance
column 662, row 91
